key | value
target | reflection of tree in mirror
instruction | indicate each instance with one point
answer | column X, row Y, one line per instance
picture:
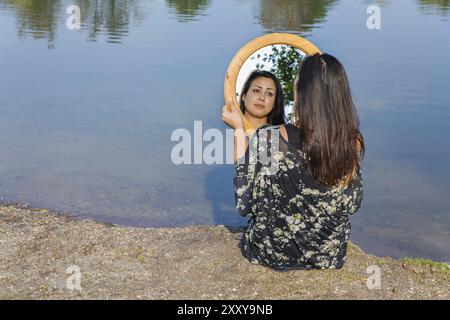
column 38, row 18
column 293, row 15
column 284, row 62
column 187, row 10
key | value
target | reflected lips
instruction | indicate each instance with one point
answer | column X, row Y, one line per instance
column 259, row 106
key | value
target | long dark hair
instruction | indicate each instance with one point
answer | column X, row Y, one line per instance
column 327, row 120
column 276, row 116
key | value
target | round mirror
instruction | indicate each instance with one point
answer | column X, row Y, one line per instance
column 265, row 68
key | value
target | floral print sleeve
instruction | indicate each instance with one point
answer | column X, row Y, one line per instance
column 244, row 183
column 294, row 222
column 354, row 194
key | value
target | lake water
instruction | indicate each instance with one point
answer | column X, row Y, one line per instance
column 87, row 115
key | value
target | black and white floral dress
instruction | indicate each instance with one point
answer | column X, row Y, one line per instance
column 294, row 222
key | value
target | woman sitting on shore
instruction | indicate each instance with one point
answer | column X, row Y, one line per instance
column 299, row 214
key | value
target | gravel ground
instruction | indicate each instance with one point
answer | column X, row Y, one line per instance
column 39, row 247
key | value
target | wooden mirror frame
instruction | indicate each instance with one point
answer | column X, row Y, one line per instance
column 250, row 48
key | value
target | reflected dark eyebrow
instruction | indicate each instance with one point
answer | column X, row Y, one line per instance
column 262, row 87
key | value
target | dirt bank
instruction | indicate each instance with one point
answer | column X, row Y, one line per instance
column 37, row 247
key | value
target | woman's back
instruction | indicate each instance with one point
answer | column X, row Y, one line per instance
column 295, row 222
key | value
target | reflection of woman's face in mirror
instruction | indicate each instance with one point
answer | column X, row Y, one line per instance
column 282, row 62
column 262, row 99
column 259, row 100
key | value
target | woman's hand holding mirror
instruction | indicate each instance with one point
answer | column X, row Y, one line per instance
column 231, row 115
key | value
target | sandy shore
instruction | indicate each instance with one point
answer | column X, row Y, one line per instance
column 37, row 247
